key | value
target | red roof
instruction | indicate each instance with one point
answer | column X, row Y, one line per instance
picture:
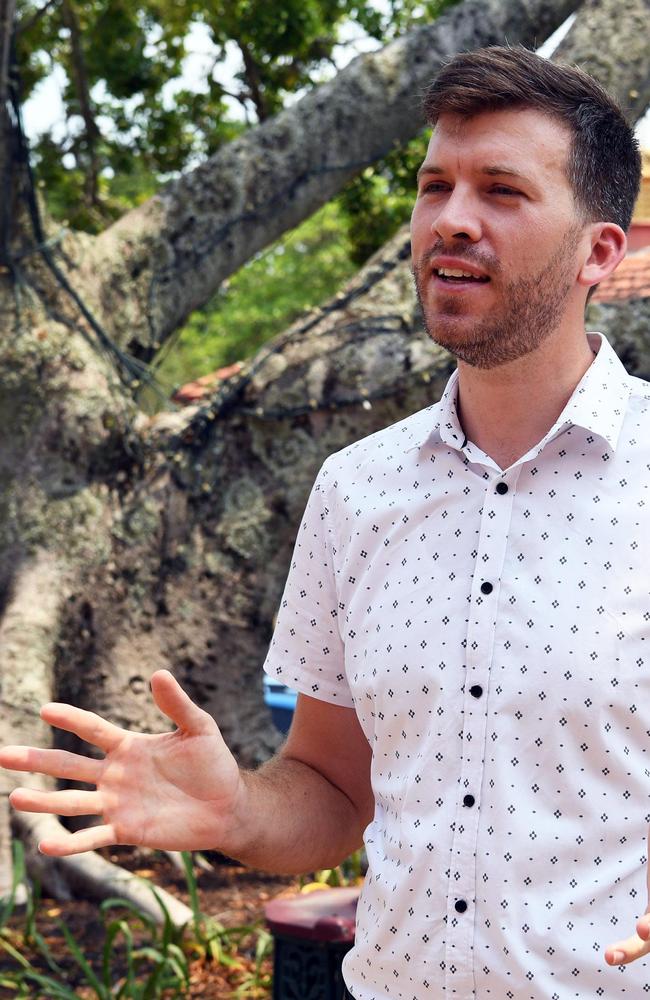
column 630, row 280
column 191, row 392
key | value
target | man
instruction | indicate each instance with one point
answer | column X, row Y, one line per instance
column 467, row 612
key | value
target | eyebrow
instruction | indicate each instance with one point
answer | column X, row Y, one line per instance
column 428, row 168
column 494, row 170
column 502, row 170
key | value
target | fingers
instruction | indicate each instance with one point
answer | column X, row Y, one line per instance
column 632, row 948
column 89, row 726
column 56, row 763
column 75, row 843
column 72, row 802
column 177, row 705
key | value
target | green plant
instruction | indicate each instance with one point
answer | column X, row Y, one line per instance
column 222, row 945
column 162, row 954
column 140, row 959
column 350, row 872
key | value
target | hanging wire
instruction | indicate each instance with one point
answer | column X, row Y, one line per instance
column 132, row 372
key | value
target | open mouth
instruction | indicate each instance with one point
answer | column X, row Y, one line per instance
column 455, row 276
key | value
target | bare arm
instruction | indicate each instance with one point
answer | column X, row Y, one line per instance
column 313, row 800
column 184, row 791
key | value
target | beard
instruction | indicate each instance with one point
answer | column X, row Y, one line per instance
column 531, row 309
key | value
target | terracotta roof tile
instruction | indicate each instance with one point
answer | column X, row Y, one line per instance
column 630, row 280
column 191, row 392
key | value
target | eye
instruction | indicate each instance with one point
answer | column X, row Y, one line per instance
column 503, row 189
column 434, row 187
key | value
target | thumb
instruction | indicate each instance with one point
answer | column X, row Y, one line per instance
column 633, row 947
column 173, row 702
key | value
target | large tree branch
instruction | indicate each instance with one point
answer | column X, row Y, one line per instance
column 610, row 41
column 28, row 634
column 170, row 254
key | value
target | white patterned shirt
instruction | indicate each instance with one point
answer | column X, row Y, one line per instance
column 492, row 630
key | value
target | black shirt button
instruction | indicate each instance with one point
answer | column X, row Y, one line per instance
column 486, row 588
column 460, row 906
column 502, row 488
column 476, row 690
column 469, row 800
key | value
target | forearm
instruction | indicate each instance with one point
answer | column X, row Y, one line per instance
column 290, row 819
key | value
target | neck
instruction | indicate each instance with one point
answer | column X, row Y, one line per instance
column 505, row 411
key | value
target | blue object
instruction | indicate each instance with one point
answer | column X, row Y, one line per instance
column 281, row 700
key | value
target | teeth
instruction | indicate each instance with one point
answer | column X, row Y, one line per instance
column 448, row 272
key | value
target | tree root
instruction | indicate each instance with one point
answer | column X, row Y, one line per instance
column 198, row 860
column 92, row 876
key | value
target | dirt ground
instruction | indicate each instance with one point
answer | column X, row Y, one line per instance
column 233, row 895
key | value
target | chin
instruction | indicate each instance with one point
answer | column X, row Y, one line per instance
column 451, row 333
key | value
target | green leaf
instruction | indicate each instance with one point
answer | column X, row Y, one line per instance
column 192, row 888
column 17, row 876
column 113, row 931
column 83, row 963
column 116, row 903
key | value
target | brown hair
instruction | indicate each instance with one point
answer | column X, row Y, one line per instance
column 604, row 164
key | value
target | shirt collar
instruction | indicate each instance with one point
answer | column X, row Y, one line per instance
column 600, row 399
column 598, row 402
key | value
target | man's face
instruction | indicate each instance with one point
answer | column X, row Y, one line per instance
column 495, row 203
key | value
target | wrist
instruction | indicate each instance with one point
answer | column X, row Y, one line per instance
column 238, row 832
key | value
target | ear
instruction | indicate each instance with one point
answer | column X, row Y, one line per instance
column 608, row 244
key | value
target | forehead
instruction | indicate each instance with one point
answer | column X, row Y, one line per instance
column 521, row 137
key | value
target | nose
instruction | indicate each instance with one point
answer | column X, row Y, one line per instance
column 458, row 218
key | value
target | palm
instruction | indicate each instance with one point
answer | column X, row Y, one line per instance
column 173, row 791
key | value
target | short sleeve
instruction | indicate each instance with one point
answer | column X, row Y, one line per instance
column 307, row 652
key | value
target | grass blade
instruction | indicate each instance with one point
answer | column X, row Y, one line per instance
column 116, row 903
column 115, row 928
column 52, row 989
column 192, row 888
column 17, row 876
column 83, row 963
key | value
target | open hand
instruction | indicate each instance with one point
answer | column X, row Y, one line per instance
column 173, row 791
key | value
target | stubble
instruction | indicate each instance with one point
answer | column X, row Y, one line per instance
column 531, row 308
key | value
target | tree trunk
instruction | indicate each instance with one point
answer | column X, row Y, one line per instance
column 130, row 543
column 594, row 44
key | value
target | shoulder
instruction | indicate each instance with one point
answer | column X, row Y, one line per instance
column 400, row 441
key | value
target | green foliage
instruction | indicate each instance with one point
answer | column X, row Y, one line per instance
column 121, row 57
column 128, row 117
column 130, row 50
column 153, row 961
column 130, row 124
column 298, row 272
column 377, row 202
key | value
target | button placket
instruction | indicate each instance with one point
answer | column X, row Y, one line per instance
column 490, row 556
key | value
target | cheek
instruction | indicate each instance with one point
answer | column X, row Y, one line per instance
column 420, row 230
